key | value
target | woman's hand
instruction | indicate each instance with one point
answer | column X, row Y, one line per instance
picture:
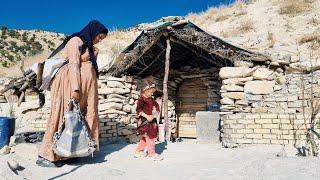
column 95, row 51
column 76, row 95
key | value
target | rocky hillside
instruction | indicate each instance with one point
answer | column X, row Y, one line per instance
column 17, row 45
column 287, row 30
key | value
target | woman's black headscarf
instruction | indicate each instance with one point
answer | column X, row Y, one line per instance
column 87, row 35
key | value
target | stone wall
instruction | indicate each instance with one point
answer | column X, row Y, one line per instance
column 265, row 105
column 264, row 128
column 117, row 108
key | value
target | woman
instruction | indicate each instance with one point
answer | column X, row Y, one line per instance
column 78, row 80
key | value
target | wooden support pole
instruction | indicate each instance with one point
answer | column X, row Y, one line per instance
column 165, row 91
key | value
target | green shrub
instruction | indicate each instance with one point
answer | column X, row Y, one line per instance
column 4, row 63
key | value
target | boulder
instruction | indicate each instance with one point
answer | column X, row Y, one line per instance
column 262, row 73
column 235, row 72
column 259, row 87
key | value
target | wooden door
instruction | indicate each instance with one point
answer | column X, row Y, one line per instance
column 192, row 96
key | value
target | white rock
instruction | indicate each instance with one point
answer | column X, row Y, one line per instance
column 131, row 101
column 126, row 108
column 110, row 105
column 115, row 84
column 13, row 164
column 135, row 96
column 116, row 96
column 12, row 141
column 243, row 63
column 277, row 88
column 233, row 95
column 226, row 100
column 235, row 72
column 237, row 81
column 113, row 111
column 110, row 78
column 114, row 91
column 135, row 92
column 128, row 85
column 281, row 80
column 262, row 73
column 125, row 132
column 241, row 102
column 118, row 100
column 259, row 87
column 5, row 150
column 232, row 87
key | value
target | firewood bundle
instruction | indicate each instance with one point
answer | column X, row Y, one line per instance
column 18, row 86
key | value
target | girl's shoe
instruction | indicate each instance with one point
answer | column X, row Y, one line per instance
column 156, row 157
column 139, row 154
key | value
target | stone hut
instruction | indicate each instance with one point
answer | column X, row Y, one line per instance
column 194, row 84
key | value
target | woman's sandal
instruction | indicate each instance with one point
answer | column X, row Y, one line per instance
column 42, row 162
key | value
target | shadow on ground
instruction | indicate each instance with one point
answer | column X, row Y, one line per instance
column 99, row 157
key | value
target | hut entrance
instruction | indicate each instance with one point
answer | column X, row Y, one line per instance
column 192, row 96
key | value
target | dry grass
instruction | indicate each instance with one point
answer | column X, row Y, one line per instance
column 314, row 21
column 314, row 37
column 295, row 7
column 222, row 17
column 246, row 26
column 224, row 34
column 271, row 40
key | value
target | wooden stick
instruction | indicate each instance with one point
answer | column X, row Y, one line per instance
column 165, row 91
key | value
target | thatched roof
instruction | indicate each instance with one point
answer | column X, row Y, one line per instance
column 191, row 46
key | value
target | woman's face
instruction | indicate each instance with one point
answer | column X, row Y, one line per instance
column 99, row 38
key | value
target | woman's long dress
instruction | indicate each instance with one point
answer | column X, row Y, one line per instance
column 74, row 76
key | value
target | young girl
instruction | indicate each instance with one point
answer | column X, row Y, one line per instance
column 148, row 110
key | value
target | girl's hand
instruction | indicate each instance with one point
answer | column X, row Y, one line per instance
column 149, row 118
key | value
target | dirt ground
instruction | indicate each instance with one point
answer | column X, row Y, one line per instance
column 184, row 160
